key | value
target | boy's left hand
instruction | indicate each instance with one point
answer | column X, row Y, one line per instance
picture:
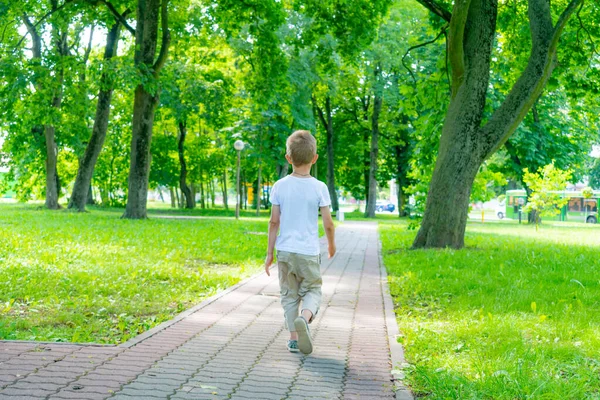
column 268, row 263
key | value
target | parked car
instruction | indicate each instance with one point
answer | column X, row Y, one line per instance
column 500, row 211
column 381, row 206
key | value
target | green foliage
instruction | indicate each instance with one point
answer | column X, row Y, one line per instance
column 545, row 185
column 97, row 278
column 511, row 316
column 594, row 174
column 485, row 183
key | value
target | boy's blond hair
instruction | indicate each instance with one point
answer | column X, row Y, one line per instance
column 301, row 146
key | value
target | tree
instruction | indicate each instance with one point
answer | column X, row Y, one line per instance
column 81, row 189
column 146, row 99
column 466, row 141
column 545, row 184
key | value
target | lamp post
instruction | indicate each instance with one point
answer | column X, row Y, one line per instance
column 239, row 146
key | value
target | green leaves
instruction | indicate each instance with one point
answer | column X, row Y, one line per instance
column 545, row 186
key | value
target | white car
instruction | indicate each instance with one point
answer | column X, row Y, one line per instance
column 501, row 210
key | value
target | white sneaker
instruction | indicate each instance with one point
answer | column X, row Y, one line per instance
column 304, row 340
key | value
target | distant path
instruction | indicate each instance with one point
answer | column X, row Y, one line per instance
column 232, row 346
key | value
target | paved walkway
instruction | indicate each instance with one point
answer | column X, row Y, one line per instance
column 233, row 347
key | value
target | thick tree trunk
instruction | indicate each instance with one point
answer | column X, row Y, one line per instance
column 185, row 189
column 447, row 206
column 79, row 196
column 145, row 101
column 464, row 144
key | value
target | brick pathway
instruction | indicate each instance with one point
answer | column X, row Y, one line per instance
column 233, row 347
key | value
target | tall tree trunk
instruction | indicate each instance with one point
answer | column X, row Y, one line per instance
column 185, row 189
column 374, row 153
column 401, row 168
column 172, row 194
column 464, row 143
column 224, row 185
column 145, row 101
column 282, row 170
column 87, row 164
column 202, row 193
column 327, row 122
column 90, row 197
column 258, row 194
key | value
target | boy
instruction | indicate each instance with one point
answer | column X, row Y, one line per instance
column 296, row 201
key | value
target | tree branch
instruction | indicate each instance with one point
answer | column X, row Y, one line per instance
column 456, row 42
column 166, row 38
column 33, row 27
column 442, row 32
column 118, row 16
column 319, row 112
column 437, row 8
column 532, row 81
column 35, row 37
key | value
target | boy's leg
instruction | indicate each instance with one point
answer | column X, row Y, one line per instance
column 288, row 284
column 310, row 291
column 310, row 288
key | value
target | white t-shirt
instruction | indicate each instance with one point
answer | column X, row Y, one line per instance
column 299, row 200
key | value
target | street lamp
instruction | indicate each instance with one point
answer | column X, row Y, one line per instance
column 239, row 146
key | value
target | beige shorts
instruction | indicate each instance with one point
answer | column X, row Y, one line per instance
column 299, row 281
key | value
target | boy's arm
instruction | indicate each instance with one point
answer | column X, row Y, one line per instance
column 329, row 230
column 273, row 230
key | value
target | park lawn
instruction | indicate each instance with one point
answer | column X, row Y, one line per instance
column 94, row 277
column 158, row 208
column 512, row 316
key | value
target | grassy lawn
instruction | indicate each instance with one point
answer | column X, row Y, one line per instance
column 157, row 208
column 96, row 278
column 513, row 316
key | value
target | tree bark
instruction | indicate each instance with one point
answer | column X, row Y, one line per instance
column 61, row 49
column 400, row 153
column 258, row 193
column 465, row 144
column 224, row 185
column 90, row 197
column 327, row 122
column 185, row 189
column 87, row 164
column 145, row 101
column 374, row 152
column 172, row 193
column 202, row 197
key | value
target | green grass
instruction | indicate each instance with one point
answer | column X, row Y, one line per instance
column 360, row 216
column 512, row 316
column 94, row 277
column 158, row 208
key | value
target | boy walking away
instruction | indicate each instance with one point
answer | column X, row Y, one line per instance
column 296, row 201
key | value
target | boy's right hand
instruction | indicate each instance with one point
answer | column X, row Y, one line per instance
column 268, row 263
column 331, row 250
